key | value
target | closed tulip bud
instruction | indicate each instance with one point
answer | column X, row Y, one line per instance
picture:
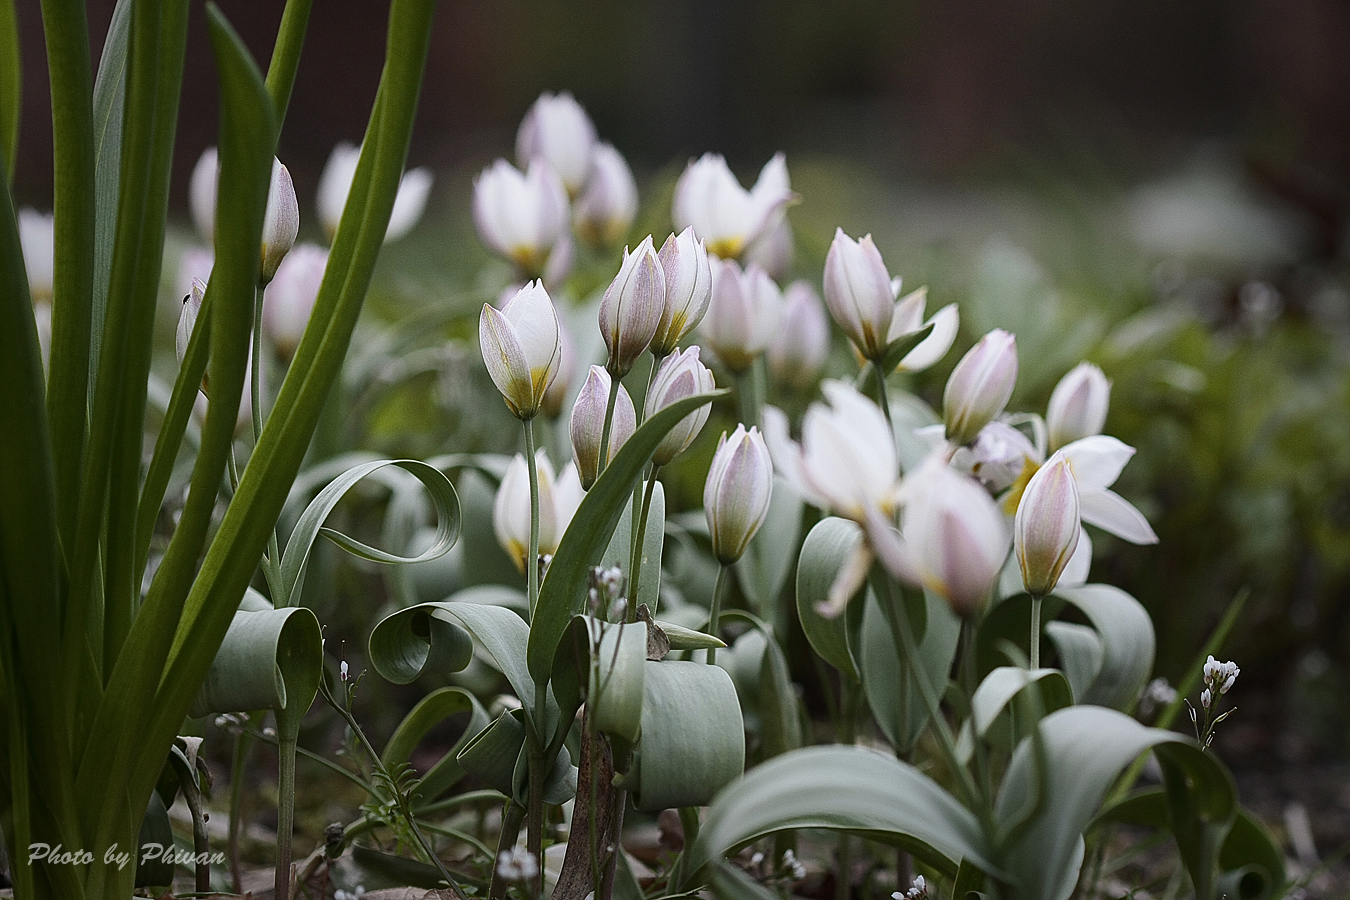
column 1078, row 405
column 956, row 536
column 858, row 292
column 679, row 375
column 281, row 222
column 289, row 299
column 743, row 316
column 1046, row 529
column 187, row 319
column 724, row 214
column 521, row 348
column 202, row 194
column 631, row 308
column 587, row 426
column 556, row 394
column 520, row 216
column 684, row 260
column 980, row 386
column 336, row 183
column 511, row 509
column 37, row 236
column 606, row 209
column 194, row 264
column 737, row 492
column 803, row 342
column 557, row 130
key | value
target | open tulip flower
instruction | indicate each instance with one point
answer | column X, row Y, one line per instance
column 803, row 343
column 520, row 216
column 558, row 131
column 37, row 235
column 1078, row 405
column 336, row 183
column 511, row 509
column 725, row 215
column 521, row 348
column 605, row 210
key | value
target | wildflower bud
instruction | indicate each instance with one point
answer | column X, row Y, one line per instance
column 680, row 375
column 1046, row 529
column 955, row 533
column 557, row 130
column 187, row 319
column 336, row 183
column 803, row 342
column 743, row 316
column 588, row 424
column 556, row 393
column 37, row 236
column 632, row 306
column 710, row 199
column 520, row 216
column 858, row 292
column 980, row 386
column 737, row 492
column 684, row 260
column 521, row 348
column 1206, row 698
column 1078, row 405
column 281, row 222
column 606, row 209
column 342, row 670
column 289, row 299
column 511, row 509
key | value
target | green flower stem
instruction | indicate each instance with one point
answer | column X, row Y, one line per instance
column 969, row 682
column 903, row 632
column 689, row 824
column 614, row 385
column 882, row 399
column 286, row 54
column 534, row 814
column 750, row 390
column 639, row 537
column 1035, row 642
column 243, row 742
column 532, row 556
column 512, row 817
column 276, row 585
column 715, row 614
column 534, row 822
column 847, row 730
column 285, row 813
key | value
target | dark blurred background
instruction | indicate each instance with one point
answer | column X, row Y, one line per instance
column 940, row 89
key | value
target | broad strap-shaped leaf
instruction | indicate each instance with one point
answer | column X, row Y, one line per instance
column 1126, row 634
column 828, row 545
column 1086, row 747
column 693, row 737
column 431, row 711
column 563, row 592
column 893, row 696
column 1006, row 682
column 11, row 94
column 609, row 659
column 1080, row 653
column 269, row 659
column 310, row 525
column 653, row 541
column 767, row 562
column 846, row 788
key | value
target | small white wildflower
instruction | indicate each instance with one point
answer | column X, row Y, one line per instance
column 756, row 858
column 517, row 864
column 342, row 670
column 269, row 732
column 793, row 866
column 1205, row 698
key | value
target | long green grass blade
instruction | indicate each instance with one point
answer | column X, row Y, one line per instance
column 69, row 70
column 11, row 86
column 286, row 54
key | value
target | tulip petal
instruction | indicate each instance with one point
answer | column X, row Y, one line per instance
column 504, row 357
column 945, row 323
column 1097, row 461
column 1111, row 512
column 1076, row 570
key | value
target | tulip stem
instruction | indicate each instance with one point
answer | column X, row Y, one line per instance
column 614, row 386
column 270, row 559
column 882, row 399
column 532, row 557
column 715, row 614
column 750, row 392
column 639, row 538
column 1035, row 647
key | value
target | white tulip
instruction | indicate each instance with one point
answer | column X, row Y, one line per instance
column 521, row 348
column 335, row 184
column 724, row 214
column 558, row 131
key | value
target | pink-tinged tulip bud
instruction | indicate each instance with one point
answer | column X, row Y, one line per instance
column 289, row 299
column 521, row 349
column 281, row 222
column 1046, row 529
column 980, row 386
column 684, row 259
column 202, row 194
column 557, row 130
column 556, row 394
column 606, row 209
column 954, row 533
column 679, row 375
column 187, row 319
column 511, row 509
column 724, row 214
column 587, row 426
column 520, row 216
column 336, row 183
column 908, row 318
column 1078, row 405
column 631, row 308
column 803, row 342
column 737, row 492
column 743, row 316
column 37, row 236
column 858, row 292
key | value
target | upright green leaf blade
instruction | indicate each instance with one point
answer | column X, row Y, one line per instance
column 11, row 92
